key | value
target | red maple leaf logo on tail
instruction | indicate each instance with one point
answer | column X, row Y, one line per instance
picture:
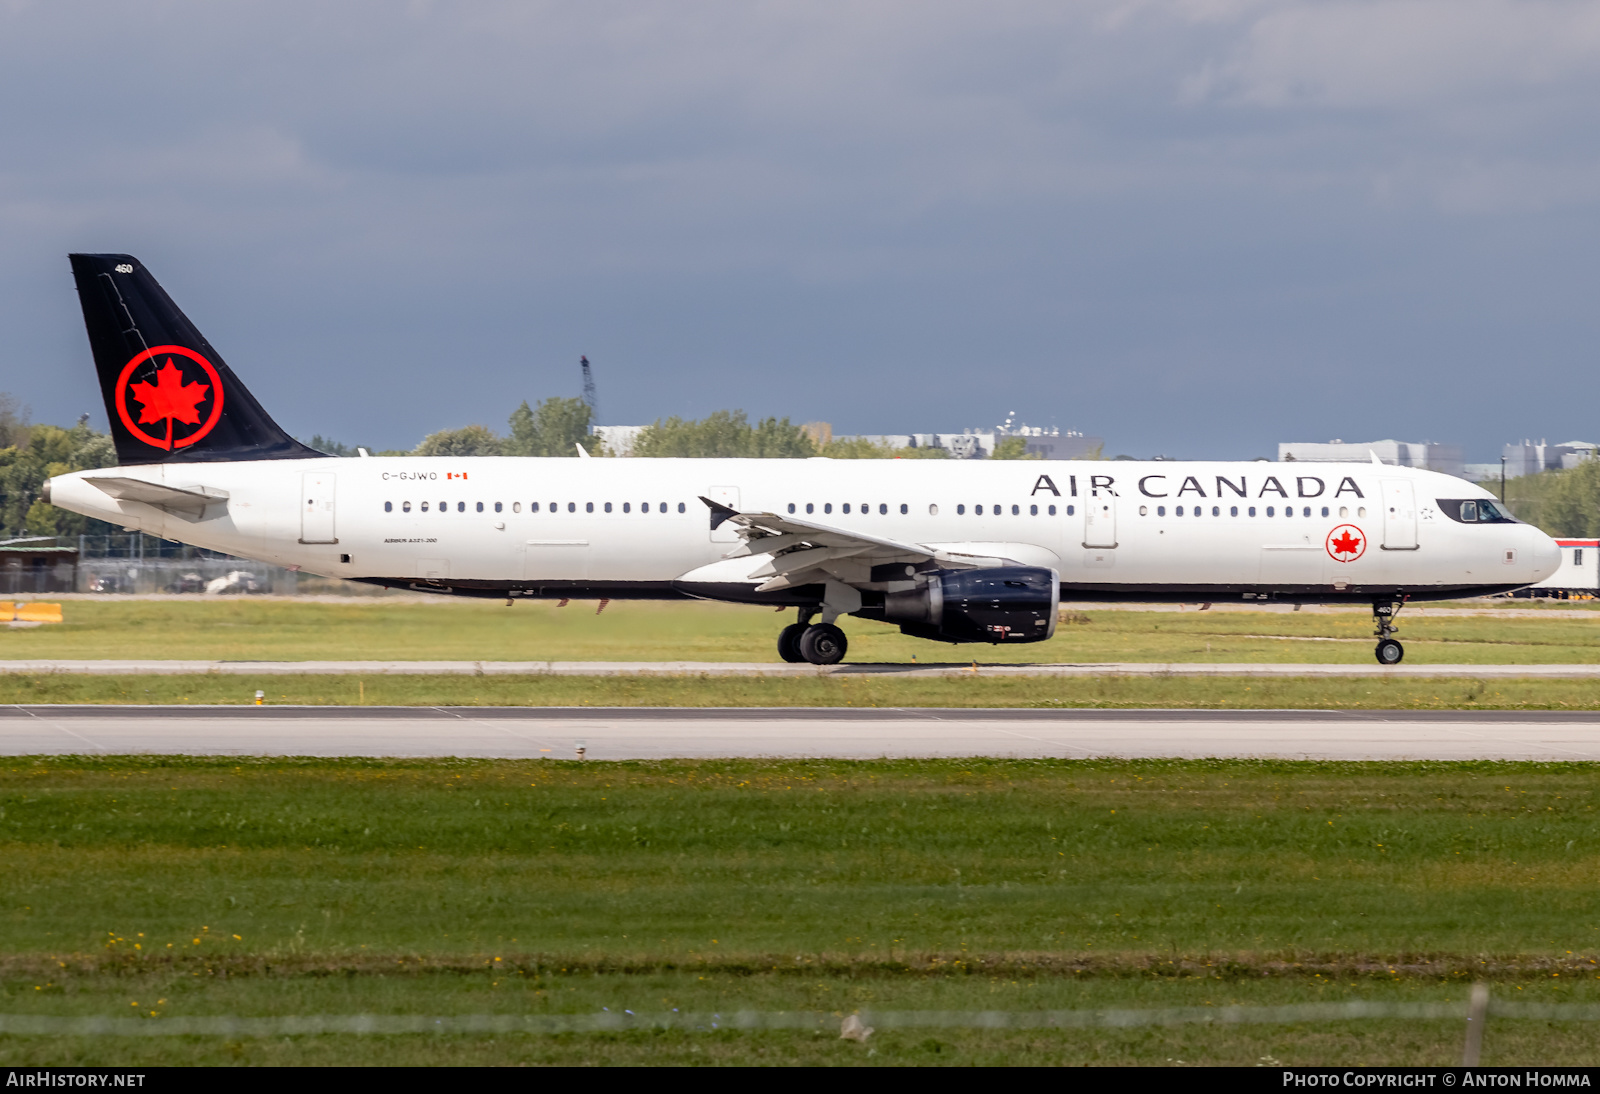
column 169, row 399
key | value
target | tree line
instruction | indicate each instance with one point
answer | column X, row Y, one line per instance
column 1562, row 503
column 558, row 427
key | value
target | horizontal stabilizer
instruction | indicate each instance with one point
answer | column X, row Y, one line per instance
column 193, row 503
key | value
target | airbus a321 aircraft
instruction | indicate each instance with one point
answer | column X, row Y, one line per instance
column 954, row 551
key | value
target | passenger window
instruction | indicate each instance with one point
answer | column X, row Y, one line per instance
column 1324, row 510
column 995, row 509
column 1344, row 511
column 1252, row 510
column 1144, row 510
column 1016, row 510
column 1216, row 510
column 388, row 507
column 1178, row 511
column 977, row 510
column 1288, row 510
column 883, row 510
column 1233, row 510
column 405, row 507
column 444, row 507
column 497, row 507
column 808, row 508
column 588, row 507
column 627, row 507
column 1361, row 511
column 1071, row 509
column 933, row 510
column 533, row 507
column 791, row 507
column 865, row 508
column 845, row 507
column 516, row 506
column 480, row 506
column 424, row 507
column 961, row 510
column 904, row 509
column 572, row 507
column 608, row 507
column 1033, row 510
column 1270, row 512
column 1052, row 511
column 1161, row 510
column 1306, row 512
column 664, row 507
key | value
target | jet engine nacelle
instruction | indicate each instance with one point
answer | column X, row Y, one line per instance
column 998, row 604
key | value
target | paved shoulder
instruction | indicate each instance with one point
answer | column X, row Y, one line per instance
column 656, row 733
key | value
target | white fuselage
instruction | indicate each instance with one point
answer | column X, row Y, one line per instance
column 638, row 527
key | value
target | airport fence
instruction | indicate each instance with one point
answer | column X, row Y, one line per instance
column 1475, row 1012
column 140, row 564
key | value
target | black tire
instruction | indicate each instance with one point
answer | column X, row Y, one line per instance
column 1389, row 652
column 789, row 643
column 823, row 644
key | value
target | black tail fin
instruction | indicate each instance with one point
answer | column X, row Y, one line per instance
column 168, row 394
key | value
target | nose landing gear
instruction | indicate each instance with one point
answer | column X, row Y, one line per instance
column 1389, row 651
column 820, row 643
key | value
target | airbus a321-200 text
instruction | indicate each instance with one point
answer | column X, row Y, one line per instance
column 954, row 551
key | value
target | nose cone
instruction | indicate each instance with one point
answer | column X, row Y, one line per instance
column 1544, row 555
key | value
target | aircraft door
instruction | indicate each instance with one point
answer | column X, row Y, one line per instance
column 729, row 496
column 316, row 508
column 1100, row 521
column 1399, row 515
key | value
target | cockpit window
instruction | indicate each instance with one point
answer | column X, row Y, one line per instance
column 1475, row 511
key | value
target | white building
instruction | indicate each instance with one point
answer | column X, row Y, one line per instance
column 1579, row 571
column 617, row 439
column 1530, row 458
column 1448, row 458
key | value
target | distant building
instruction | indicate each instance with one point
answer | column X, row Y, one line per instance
column 1530, row 458
column 618, row 439
column 1448, row 458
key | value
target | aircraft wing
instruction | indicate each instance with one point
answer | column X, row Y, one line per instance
column 802, row 552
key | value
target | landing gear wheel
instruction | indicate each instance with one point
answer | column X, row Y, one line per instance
column 823, row 644
column 789, row 643
column 1390, row 652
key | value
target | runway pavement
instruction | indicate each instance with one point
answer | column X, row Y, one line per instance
column 131, row 667
column 655, row 733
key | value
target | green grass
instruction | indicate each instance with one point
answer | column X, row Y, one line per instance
column 243, row 629
column 391, row 887
column 874, row 690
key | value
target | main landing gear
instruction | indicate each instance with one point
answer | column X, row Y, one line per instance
column 1389, row 651
column 819, row 643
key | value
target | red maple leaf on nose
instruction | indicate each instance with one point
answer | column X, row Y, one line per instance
column 1346, row 544
column 169, row 399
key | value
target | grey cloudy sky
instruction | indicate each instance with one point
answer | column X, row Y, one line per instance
column 1195, row 228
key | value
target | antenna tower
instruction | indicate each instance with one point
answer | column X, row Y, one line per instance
column 588, row 390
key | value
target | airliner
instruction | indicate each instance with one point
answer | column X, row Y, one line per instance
column 968, row 551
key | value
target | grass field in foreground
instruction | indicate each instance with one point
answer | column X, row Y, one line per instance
column 955, row 690
column 158, row 887
column 254, row 630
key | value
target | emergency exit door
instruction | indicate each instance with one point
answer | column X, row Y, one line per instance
column 1100, row 521
column 1399, row 515
column 316, row 508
